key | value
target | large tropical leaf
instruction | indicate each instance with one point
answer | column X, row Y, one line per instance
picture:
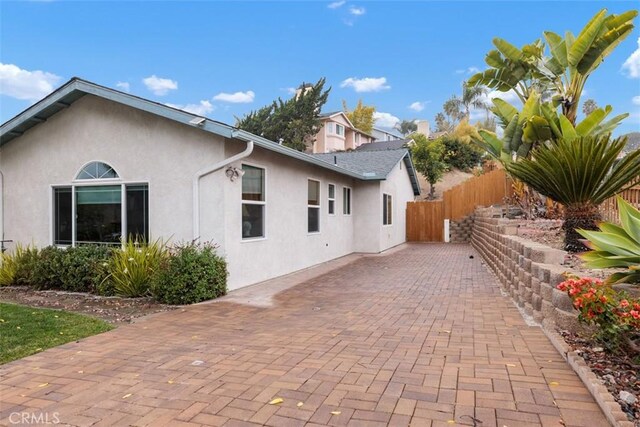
column 507, row 49
column 610, row 125
column 602, row 47
column 586, row 126
column 551, row 115
column 494, row 59
column 568, row 131
column 509, row 133
column 586, row 38
column 501, row 79
column 558, row 47
column 536, row 129
column 503, row 110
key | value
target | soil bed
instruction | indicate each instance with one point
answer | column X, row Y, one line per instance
column 114, row 310
column 617, row 373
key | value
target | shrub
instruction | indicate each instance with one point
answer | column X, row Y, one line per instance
column 614, row 312
column 48, row 268
column 84, row 267
column 460, row 155
column 25, row 258
column 130, row 270
column 192, row 273
column 8, row 267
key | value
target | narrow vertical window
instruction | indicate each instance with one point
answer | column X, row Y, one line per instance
column 346, row 201
column 313, row 206
column 253, row 202
column 137, row 206
column 387, row 209
column 62, row 216
column 331, row 199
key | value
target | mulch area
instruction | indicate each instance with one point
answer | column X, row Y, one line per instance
column 114, row 310
column 618, row 374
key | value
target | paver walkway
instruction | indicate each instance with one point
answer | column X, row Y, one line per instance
column 421, row 336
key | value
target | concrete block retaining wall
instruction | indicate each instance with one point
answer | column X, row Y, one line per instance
column 527, row 271
column 460, row 230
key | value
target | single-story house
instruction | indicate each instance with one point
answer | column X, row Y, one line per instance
column 89, row 164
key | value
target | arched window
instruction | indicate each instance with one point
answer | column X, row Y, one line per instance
column 97, row 170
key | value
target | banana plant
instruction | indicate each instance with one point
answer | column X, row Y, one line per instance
column 616, row 246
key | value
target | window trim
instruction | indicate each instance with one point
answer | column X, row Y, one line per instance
column 389, row 210
column 329, row 199
column 93, row 183
column 98, row 180
column 346, row 187
column 318, row 206
column 255, row 202
column 344, row 129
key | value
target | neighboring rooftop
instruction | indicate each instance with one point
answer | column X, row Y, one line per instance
column 395, row 144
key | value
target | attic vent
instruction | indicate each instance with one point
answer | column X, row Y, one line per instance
column 369, row 174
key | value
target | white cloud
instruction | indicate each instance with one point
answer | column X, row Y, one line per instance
column 125, row 86
column 385, row 120
column 159, row 86
column 336, row 4
column 28, row 85
column 368, row 84
column 357, row 11
column 636, row 100
column 203, row 108
column 469, row 71
column 417, row 106
column 236, row 98
column 289, row 90
column 632, row 64
column 511, row 97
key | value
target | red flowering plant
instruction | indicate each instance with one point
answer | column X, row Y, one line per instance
column 614, row 312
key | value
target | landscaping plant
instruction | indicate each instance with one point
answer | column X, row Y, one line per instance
column 580, row 175
column 130, row 269
column 616, row 315
column 26, row 258
column 8, row 267
column 428, row 157
column 616, row 246
column 192, row 273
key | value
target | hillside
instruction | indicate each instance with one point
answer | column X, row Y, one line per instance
column 633, row 141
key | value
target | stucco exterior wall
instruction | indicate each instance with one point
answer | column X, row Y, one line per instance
column 141, row 147
column 144, row 148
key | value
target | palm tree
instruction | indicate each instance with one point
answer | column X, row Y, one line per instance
column 589, row 107
column 579, row 174
column 474, row 96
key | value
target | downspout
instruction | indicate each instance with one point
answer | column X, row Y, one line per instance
column 208, row 170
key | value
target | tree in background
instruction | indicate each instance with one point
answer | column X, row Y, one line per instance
column 444, row 123
column 406, row 127
column 361, row 117
column 428, row 158
column 295, row 122
column 589, row 107
column 472, row 97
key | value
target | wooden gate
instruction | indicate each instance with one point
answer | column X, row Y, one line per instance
column 425, row 219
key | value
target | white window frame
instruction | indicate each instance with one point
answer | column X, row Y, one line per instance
column 255, row 202
column 318, row 206
column 345, row 190
column 331, row 199
column 338, row 126
column 108, row 182
column 388, row 219
column 328, row 128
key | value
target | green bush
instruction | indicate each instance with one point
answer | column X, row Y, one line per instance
column 460, row 155
column 25, row 258
column 192, row 273
column 131, row 269
column 48, row 269
column 84, row 267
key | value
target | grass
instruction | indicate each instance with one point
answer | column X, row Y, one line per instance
column 27, row 330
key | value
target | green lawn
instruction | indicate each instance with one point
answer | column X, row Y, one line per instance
column 26, row 330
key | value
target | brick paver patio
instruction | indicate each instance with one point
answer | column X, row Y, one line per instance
column 421, row 336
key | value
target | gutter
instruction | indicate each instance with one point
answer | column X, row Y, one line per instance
column 208, row 170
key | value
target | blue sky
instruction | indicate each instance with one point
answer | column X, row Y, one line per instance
column 223, row 59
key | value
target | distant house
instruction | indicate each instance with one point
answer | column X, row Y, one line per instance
column 396, row 144
column 386, row 134
column 89, row 164
column 338, row 134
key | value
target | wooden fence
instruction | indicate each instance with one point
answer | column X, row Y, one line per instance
column 609, row 208
column 425, row 219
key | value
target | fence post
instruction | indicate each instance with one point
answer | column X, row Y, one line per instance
column 446, row 231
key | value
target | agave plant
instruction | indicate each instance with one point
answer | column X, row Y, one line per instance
column 616, row 246
column 580, row 174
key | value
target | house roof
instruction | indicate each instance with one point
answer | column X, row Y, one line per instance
column 373, row 163
column 392, row 132
column 395, row 144
column 324, row 116
column 76, row 88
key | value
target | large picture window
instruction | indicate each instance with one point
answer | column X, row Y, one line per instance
column 253, row 202
column 313, row 206
column 387, row 209
column 98, row 212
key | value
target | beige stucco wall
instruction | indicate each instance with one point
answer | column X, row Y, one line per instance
column 145, row 148
column 398, row 185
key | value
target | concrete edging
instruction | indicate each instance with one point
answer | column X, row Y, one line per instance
column 607, row 403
